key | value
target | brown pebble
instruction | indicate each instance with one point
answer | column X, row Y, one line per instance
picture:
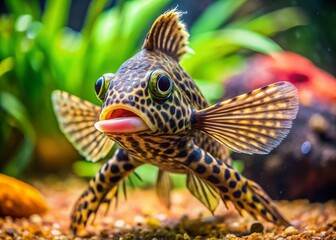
column 291, row 231
column 10, row 232
column 256, row 227
column 230, row 236
column 186, row 237
column 318, row 123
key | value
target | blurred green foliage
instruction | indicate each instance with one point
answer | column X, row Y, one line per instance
column 39, row 53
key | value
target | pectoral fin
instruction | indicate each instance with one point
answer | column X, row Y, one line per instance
column 255, row 122
column 76, row 118
column 203, row 192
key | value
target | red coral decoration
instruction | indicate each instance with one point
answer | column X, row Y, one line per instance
column 313, row 83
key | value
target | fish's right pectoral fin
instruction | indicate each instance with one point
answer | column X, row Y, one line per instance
column 76, row 118
column 255, row 122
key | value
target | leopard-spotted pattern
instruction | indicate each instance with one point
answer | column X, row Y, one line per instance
column 171, row 118
column 173, row 146
column 173, row 143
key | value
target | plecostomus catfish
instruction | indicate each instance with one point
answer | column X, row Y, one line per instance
column 155, row 112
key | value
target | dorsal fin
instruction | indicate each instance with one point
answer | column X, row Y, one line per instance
column 168, row 34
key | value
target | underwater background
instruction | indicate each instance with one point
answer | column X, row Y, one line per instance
column 67, row 45
column 238, row 46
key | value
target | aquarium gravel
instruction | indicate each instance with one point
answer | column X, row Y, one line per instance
column 142, row 216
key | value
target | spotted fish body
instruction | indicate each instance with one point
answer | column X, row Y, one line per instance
column 155, row 112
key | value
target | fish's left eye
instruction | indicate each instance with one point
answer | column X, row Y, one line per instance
column 160, row 84
column 101, row 85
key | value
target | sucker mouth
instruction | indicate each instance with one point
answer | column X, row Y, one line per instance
column 120, row 120
column 117, row 113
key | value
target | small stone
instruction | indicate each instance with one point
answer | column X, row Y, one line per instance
column 256, row 227
column 129, row 236
column 161, row 217
column 178, row 237
column 10, row 232
column 139, row 219
column 35, row 219
column 56, row 226
column 230, row 236
column 55, row 232
column 291, row 231
column 119, row 223
column 186, row 237
column 153, row 223
column 318, row 123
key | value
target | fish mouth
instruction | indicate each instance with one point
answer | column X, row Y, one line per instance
column 120, row 119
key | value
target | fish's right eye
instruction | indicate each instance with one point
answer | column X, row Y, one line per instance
column 102, row 85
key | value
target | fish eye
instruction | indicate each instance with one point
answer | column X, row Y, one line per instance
column 101, row 85
column 160, row 84
column 163, row 83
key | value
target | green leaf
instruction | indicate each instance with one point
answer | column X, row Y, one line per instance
column 214, row 46
column 21, row 7
column 140, row 23
column 215, row 15
column 95, row 8
column 273, row 22
column 219, row 40
column 6, row 65
column 55, row 17
column 17, row 118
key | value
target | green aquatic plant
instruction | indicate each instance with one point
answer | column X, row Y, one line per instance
column 39, row 53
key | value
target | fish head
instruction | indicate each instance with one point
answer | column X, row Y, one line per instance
column 143, row 95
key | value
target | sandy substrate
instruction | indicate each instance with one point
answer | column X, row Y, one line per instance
column 142, row 216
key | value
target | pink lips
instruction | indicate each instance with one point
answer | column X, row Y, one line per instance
column 121, row 121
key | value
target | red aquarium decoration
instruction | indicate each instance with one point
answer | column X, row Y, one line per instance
column 315, row 85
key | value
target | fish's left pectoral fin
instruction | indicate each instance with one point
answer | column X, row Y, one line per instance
column 203, row 192
column 252, row 123
column 76, row 118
